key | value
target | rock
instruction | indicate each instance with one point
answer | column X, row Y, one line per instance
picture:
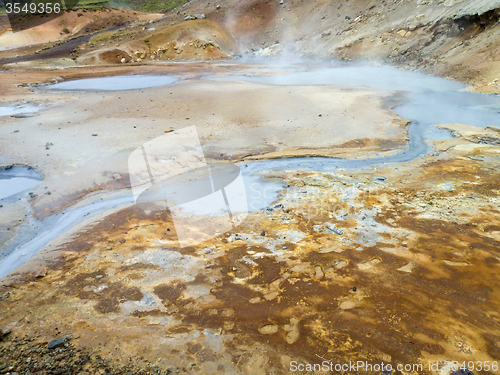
column 5, row 296
column 189, row 18
column 332, row 229
column 56, row 344
column 463, row 371
column 94, row 135
column 41, row 273
column 217, row 7
column 270, row 209
column 408, row 267
column 200, row 16
column 380, row 179
column 4, row 333
column 270, row 296
column 169, row 130
column 123, row 60
column 269, row 329
column 292, row 331
column 263, row 234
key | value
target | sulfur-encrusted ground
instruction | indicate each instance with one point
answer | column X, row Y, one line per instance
column 396, row 265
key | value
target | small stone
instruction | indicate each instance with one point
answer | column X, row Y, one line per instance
column 333, row 229
column 94, row 135
column 41, row 273
column 263, row 234
column 4, row 333
column 5, row 296
column 56, row 344
column 463, row 371
column 269, row 329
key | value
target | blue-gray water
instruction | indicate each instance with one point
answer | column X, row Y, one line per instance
column 17, row 179
column 115, row 83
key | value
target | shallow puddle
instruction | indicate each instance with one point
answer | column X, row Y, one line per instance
column 17, row 109
column 116, row 83
column 16, row 179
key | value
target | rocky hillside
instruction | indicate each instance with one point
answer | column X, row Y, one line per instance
column 458, row 39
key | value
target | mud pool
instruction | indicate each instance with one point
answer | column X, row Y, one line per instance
column 14, row 180
column 19, row 109
column 428, row 101
column 115, row 83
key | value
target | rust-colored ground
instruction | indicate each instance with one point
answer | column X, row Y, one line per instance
column 413, row 279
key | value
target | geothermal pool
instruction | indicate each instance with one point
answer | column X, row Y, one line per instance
column 16, row 179
column 115, row 83
column 429, row 101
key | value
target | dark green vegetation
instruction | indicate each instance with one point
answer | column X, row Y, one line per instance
column 152, row 6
